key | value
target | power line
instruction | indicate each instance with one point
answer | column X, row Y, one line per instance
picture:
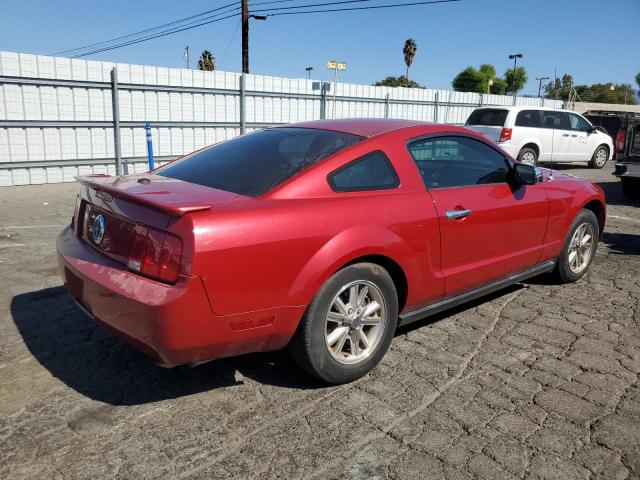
column 370, row 7
column 161, row 34
column 217, row 18
column 148, row 29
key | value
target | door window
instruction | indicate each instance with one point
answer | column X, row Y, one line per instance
column 578, row 123
column 528, row 118
column 492, row 117
column 557, row 120
column 458, row 162
column 371, row 172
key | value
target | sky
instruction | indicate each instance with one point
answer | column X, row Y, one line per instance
column 594, row 41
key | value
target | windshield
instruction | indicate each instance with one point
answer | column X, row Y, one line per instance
column 254, row 164
column 492, row 117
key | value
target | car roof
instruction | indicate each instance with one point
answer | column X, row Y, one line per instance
column 364, row 127
column 523, row 107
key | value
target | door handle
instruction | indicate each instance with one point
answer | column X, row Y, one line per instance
column 456, row 214
column 565, row 134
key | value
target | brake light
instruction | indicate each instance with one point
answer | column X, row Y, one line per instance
column 505, row 134
column 620, row 138
column 155, row 254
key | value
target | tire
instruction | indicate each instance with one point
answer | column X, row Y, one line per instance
column 335, row 362
column 630, row 187
column 567, row 270
column 599, row 157
column 528, row 156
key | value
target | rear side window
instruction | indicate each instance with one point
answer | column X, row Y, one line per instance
column 374, row 171
column 254, row 164
column 557, row 120
column 529, row 118
column 491, row 117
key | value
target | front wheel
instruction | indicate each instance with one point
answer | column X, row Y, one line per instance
column 600, row 157
column 579, row 248
column 349, row 325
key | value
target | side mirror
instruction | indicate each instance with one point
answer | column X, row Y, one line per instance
column 592, row 130
column 523, row 174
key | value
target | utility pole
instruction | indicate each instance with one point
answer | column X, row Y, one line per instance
column 309, row 69
column 540, row 79
column 245, row 37
column 187, row 58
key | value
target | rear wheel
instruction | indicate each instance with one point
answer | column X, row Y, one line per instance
column 349, row 325
column 528, row 156
column 600, row 157
column 579, row 248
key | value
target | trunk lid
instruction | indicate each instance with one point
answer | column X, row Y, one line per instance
column 109, row 208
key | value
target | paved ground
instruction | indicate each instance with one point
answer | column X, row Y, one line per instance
column 538, row 381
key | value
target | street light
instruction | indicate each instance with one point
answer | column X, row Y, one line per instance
column 309, row 70
column 515, row 58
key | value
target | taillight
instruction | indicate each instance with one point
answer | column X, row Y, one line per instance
column 505, row 134
column 620, row 138
column 155, row 254
column 75, row 220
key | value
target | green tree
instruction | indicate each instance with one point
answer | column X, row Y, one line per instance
column 400, row 81
column 638, row 79
column 499, row 86
column 472, row 80
column 516, row 79
column 409, row 50
column 207, row 61
column 469, row 80
column 606, row 93
column 559, row 89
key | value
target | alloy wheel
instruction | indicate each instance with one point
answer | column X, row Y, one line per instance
column 581, row 248
column 528, row 158
column 355, row 322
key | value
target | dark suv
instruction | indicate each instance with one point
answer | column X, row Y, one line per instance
column 625, row 129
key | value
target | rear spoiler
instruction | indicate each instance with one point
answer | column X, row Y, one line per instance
column 158, row 199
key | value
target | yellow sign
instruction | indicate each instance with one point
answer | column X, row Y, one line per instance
column 335, row 65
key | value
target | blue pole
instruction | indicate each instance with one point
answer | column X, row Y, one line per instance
column 147, row 127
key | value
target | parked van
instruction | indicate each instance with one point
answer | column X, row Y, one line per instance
column 535, row 135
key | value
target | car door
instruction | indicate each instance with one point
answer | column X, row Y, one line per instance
column 530, row 127
column 581, row 148
column 561, row 136
column 489, row 227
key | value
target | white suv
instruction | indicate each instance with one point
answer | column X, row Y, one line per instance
column 543, row 135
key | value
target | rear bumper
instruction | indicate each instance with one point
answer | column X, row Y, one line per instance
column 174, row 324
column 510, row 148
column 627, row 169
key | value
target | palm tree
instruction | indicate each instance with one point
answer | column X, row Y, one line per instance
column 207, row 61
column 409, row 51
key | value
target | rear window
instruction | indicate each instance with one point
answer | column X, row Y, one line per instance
column 492, row 117
column 254, row 164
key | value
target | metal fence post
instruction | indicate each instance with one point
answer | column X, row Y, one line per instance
column 386, row 106
column 243, row 104
column 435, row 108
column 116, row 123
column 481, row 99
column 323, row 100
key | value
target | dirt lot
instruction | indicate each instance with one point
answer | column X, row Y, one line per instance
column 537, row 381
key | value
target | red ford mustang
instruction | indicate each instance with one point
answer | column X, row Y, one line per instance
column 321, row 236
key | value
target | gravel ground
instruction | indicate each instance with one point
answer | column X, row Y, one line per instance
column 536, row 381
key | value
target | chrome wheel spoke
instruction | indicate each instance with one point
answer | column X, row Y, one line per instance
column 353, row 297
column 363, row 294
column 370, row 309
column 370, row 320
column 363, row 338
column 335, row 317
column 340, row 333
column 355, row 342
column 342, row 308
column 572, row 257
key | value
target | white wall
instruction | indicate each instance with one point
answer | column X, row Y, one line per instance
column 30, row 142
